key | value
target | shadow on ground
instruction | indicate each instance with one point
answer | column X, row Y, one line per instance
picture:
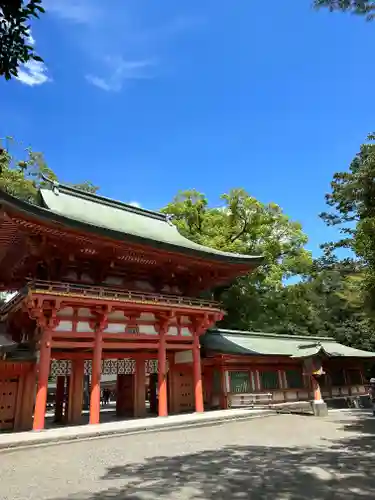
column 336, row 470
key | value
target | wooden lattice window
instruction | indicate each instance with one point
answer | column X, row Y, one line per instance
column 132, row 330
column 353, row 376
column 269, row 380
column 239, row 382
column 294, row 379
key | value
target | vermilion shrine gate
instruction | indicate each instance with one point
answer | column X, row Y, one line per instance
column 102, row 286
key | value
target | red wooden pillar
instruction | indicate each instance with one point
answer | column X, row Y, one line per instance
column 59, row 399
column 172, row 385
column 197, row 374
column 28, row 399
column 76, row 391
column 43, row 374
column 140, row 388
column 120, row 396
column 162, row 371
column 96, row 371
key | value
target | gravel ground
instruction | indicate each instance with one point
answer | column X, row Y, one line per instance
column 281, row 457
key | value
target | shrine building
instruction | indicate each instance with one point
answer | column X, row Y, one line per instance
column 252, row 368
column 102, row 287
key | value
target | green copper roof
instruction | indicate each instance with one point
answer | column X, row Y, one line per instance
column 269, row 344
column 90, row 212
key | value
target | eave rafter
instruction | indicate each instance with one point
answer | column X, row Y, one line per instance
column 44, row 243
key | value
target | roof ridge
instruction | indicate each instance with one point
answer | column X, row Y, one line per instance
column 103, row 200
column 271, row 335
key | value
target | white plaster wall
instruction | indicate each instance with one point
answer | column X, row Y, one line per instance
column 183, row 357
column 116, row 315
column 173, row 330
column 144, row 286
column 67, row 311
column 83, row 326
column 64, row 326
column 147, row 330
column 185, row 320
column 115, row 328
column 84, row 312
column 146, row 316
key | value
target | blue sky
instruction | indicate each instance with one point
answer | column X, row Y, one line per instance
column 147, row 98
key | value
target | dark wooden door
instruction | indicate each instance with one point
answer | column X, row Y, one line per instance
column 8, row 399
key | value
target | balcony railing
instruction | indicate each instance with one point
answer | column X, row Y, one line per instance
column 108, row 294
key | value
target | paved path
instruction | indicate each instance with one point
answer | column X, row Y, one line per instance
column 276, row 458
column 121, row 427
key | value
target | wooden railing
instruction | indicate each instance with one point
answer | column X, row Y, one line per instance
column 106, row 293
column 13, row 301
column 249, row 400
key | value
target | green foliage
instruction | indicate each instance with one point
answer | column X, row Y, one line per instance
column 15, row 41
column 350, row 303
column 23, row 178
column 327, row 298
column 87, row 186
column 245, row 225
column 352, row 200
column 361, row 7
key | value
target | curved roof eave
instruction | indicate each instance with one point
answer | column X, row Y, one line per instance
column 186, row 246
column 264, row 344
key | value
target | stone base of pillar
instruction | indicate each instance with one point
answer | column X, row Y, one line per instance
column 319, row 408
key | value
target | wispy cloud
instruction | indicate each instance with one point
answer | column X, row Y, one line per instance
column 121, row 71
column 33, row 73
column 120, row 46
column 77, row 11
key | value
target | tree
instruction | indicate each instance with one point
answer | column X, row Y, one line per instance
column 352, row 200
column 326, row 300
column 23, row 178
column 15, row 38
column 327, row 303
column 245, row 225
column 361, row 7
column 87, row 186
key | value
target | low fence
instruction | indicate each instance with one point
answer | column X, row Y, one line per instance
column 249, row 400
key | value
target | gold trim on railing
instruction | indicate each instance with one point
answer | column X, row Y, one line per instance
column 103, row 293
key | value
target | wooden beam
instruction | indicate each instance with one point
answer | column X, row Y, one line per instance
column 72, row 345
column 179, row 347
column 183, row 339
column 130, row 345
column 139, row 305
column 70, row 355
column 73, row 335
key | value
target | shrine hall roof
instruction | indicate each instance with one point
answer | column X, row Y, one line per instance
column 6, row 344
column 271, row 344
column 12, row 350
column 89, row 212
